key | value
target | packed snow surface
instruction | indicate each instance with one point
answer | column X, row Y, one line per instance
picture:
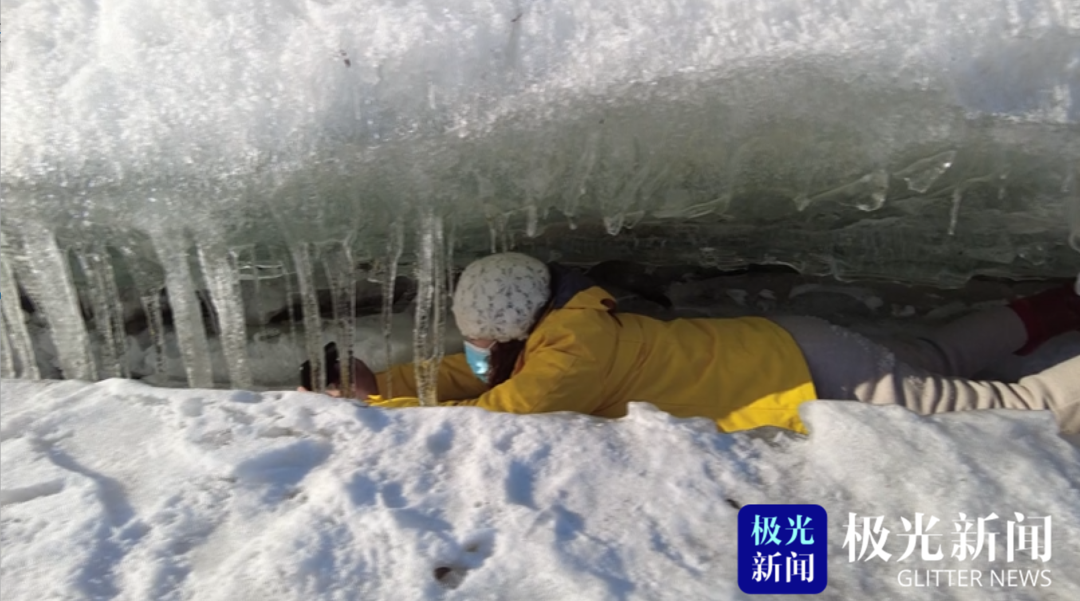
column 122, row 490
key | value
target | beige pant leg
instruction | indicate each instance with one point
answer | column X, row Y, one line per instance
column 847, row 366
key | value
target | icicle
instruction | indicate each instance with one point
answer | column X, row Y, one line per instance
column 22, row 347
column 155, row 322
column 499, row 229
column 571, row 222
column 149, row 286
column 450, row 241
column 45, row 272
column 7, row 364
column 535, row 185
column 954, row 212
column 213, row 323
column 613, row 225
column 341, row 273
column 532, row 220
column 438, row 316
column 172, row 249
column 112, row 293
column 579, row 178
column 633, row 218
column 430, row 297
column 922, row 174
column 290, row 294
column 643, row 181
column 223, row 279
column 507, row 234
column 249, row 258
column 876, row 189
column 802, row 200
column 256, row 283
column 868, row 193
column 309, row 298
column 103, row 310
column 958, row 197
column 494, row 236
column 394, row 247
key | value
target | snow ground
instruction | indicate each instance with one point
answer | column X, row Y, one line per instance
column 122, row 490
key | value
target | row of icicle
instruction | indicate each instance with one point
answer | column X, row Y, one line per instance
column 96, row 348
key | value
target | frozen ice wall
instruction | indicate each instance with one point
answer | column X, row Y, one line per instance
column 205, row 148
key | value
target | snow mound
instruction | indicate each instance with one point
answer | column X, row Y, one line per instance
column 117, row 489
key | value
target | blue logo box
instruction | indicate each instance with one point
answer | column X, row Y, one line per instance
column 783, row 549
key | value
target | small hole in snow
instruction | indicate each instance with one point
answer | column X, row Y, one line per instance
column 449, row 577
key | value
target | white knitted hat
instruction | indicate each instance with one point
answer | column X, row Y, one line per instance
column 498, row 297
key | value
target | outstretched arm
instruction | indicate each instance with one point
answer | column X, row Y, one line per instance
column 552, row 380
column 456, row 381
column 560, row 373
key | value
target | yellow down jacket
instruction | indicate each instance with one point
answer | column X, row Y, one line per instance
column 742, row 373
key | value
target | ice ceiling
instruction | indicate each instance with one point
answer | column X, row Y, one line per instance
column 185, row 146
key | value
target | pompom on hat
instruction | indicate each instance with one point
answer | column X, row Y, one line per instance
column 500, row 296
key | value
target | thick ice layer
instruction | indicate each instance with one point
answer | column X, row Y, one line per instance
column 158, row 146
column 121, row 489
column 284, row 122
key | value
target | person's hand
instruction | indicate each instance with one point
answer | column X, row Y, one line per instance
column 365, row 384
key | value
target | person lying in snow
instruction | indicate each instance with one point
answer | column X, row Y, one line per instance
column 542, row 338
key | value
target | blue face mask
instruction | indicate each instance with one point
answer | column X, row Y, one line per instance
column 478, row 359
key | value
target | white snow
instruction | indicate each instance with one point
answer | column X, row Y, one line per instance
column 122, row 490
